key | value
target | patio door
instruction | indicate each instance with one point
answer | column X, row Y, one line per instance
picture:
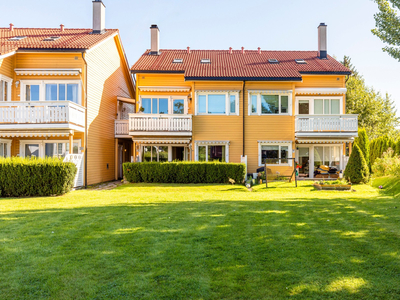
column 304, row 161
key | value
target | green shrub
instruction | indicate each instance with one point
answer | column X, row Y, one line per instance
column 363, row 142
column 21, row 177
column 184, row 172
column 357, row 170
column 388, row 164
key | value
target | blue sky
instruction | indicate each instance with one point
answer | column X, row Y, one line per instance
column 220, row 24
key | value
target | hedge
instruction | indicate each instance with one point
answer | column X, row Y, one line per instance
column 363, row 142
column 21, row 177
column 184, row 172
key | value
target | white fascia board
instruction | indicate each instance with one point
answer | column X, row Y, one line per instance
column 101, row 43
column 7, row 55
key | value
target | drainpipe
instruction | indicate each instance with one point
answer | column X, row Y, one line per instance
column 244, row 87
column 86, row 118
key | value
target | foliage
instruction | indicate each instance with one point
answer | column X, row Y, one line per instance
column 333, row 182
column 390, row 185
column 363, row 142
column 387, row 22
column 184, row 172
column 35, row 176
column 379, row 146
column 357, row 170
column 388, row 164
column 376, row 113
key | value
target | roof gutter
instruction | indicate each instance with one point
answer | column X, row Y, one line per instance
column 286, row 79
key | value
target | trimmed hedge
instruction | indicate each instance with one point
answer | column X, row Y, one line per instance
column 21, row 177
column 184, row 172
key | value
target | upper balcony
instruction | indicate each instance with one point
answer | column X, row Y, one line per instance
column 159, row 124
column 41, row 115
column 326, row 126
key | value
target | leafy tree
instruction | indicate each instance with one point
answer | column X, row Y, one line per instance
column 357, row 170
column 387, row 22
column 376, row 113
column 363, row 142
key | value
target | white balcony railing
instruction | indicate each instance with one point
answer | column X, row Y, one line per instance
column 41, row 112
column 160, row 123
column 121, row 127
column 328, row 123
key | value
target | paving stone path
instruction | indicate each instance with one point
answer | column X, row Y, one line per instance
column 108, row 185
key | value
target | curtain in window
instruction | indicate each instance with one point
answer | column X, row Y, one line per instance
column 72, row 93
column 51, row 92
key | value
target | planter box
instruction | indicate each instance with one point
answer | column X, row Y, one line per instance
column 333, row 187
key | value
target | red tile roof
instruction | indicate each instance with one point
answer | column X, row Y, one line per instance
column 237, row 65
column 69, row 38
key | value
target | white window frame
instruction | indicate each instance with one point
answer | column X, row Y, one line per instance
column 227, row 102
column 311, row 103
column 42, row 88
column 266, row 92
column 42, row 145
column 280, row 144
column 171, row 99
column 8, row 145
column 211, row 143
column 7, row 81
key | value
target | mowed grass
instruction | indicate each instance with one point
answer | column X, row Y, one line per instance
column 148, row 241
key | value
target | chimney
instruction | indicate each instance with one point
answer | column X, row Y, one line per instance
column 230, row 50
column 99, row 17
column 62, row 27
column 11, row 27
column 322, row 41
column 155, row 40
column 188, row 50
column 242, row 50
column 259, row 50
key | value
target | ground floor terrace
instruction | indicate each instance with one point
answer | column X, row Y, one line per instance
column 154, row 241
column 309, row 154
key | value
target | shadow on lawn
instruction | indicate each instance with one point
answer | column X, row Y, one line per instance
column 204, row 250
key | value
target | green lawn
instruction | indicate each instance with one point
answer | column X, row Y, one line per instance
column 148, row 241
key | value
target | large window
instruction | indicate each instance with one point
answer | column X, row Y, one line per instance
column 326, row 106
column 269, row 104
column 163, row 105
column 62, row 92
column 48, row 148
column 218, row 103
column 274, row 154
column 319, row 105
column 51, row 90
column 155, row 153
column 5, row 148
column 209, row 151
column 327, row 156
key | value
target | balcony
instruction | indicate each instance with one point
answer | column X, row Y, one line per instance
column 121, row 128
column 326, row 125
column 153, row 124
column 17, row 115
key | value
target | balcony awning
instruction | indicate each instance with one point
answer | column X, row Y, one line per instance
column 272, row 92
column 175, row 89
column 325, row 141
column 274, row 142
column 43, row 134
column 161, row 141
column 48, row 72
column 321, row 91
column 212, row 142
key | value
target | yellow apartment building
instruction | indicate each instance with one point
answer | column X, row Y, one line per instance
column 61, row 90
column 230, row 105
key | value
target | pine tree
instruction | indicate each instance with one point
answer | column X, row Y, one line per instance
column 357, row 170
column 363, row 142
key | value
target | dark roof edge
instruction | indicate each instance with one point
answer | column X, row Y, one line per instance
column 156, row 71
column 325, row 72
column 51, row 49
column 246, row 78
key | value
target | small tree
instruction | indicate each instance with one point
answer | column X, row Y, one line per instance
column 363, row 142
column 357, row 170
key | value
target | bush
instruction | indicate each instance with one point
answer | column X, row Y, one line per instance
column 357, row 170
column 388, row 164
column 184, row 172
column 363, row 142
column 21, row 177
